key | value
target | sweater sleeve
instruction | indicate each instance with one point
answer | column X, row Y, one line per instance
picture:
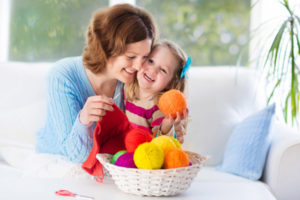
column 156, row 120
column 73, row 138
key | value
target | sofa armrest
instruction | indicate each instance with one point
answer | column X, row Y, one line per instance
column 282, row 170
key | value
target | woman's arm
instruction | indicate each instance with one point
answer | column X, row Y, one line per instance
column 72, row 137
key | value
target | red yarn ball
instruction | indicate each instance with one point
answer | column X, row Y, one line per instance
column 126, row 160
column 135, row 137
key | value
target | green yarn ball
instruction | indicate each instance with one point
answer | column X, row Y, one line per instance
column 117, row 155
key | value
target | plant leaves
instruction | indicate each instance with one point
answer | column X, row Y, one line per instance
column 276, row 43
column 286, row 5
column 293, row 93
column 286, row 106
column 298, row 96
column 298, row 43
column 298, row 18
column 272, row 93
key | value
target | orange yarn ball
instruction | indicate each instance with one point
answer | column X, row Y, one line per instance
column 175, row 158
column 135, row 137
column 171, row 102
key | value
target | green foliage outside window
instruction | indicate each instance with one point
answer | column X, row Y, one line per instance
column 47, row 30
column 212, row 32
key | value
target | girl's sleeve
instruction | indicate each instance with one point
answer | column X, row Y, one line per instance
column 156, row 120
column 74, row 138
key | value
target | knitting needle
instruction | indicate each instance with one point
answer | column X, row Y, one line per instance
column 175, row 135
column 115, row 97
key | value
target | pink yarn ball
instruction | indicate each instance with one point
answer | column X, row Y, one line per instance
column 126, row 160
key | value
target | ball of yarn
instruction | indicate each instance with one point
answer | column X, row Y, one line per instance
column 164, row 142
column 148, row 156
column 178, row 145
column 135, row 137
column 175, row 158
column 117, row 155
column 126, row 160
column 171, row 102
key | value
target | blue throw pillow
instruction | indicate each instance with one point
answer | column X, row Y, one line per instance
column 248, row 146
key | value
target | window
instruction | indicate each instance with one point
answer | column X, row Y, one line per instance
column 47, row 30
column 211, row 32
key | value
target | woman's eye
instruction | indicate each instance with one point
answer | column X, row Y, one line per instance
column 151, row 61
column 131, row 57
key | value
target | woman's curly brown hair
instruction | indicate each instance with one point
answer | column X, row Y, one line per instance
column 111, row 29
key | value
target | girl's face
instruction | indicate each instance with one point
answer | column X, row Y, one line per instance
column 157, row 71
column 124, row 67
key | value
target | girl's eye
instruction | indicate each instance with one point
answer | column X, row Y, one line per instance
column 163, row 70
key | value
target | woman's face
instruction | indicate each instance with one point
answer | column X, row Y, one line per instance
column 157, row 72
column 125, row 66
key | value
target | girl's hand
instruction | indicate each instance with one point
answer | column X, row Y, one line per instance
column 95, row 108
column 167, row 124
column 179, row 126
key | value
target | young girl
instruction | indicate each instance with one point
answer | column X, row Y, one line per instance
column 162, row 71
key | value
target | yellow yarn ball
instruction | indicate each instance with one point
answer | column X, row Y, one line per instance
column 164, row 142
column 148, row 156
column 178, row 145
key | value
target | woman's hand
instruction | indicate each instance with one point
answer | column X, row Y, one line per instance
column 95, row 108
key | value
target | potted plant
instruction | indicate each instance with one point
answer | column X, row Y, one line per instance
column 281, row 66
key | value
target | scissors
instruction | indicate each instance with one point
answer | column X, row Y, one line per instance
column 67, row 193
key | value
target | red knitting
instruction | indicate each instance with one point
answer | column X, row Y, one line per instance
column 108, row 137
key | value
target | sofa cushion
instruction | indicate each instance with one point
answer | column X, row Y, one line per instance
column 211, row 184
column 22, row 107
column 247, row 149
column 219, row 98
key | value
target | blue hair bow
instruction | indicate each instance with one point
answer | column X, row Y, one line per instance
column 186, row 67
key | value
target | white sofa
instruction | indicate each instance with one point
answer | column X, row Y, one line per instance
column 219, row 98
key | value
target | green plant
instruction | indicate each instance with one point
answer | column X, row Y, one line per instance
column 282, row 68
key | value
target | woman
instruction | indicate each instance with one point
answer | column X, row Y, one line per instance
column 82, row 89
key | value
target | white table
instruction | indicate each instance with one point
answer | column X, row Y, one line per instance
column 205, row 186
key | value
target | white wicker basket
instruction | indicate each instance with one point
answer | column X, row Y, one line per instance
column 160, row 182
